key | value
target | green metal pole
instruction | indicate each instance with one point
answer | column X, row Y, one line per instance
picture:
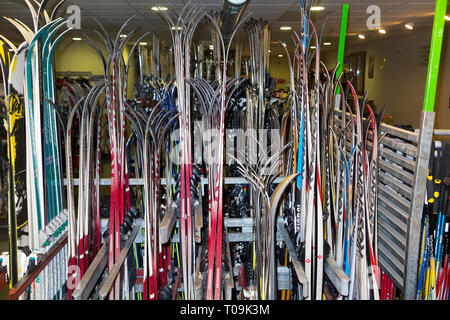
column 342, row 35
column 423, row 155
column 435, row 55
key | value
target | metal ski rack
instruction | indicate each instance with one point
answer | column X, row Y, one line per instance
column 43, row 260
column 401, row 194
column 400, row 198
column 336, row 275
column 92, row 277
column 115, row 270
column 402, row 173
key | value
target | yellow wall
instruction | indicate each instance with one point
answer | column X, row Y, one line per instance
column 78, row 56
column 279, row 69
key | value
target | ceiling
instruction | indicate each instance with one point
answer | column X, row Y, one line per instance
column 112, row 13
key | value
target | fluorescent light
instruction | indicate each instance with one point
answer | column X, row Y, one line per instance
column 361, row 36
column 10, row 50
column 327, row 43
column 409, row 26
column 123, row 35
column 142, row 43
column 159, row 9
column 313, row 47
column 317, row 8
column 447, row 18
column 269, row 50
column 285, row 28
column 382, row 31
column 211, row 47
column 177, row 28
column 76, row 39
column 237, row 2
column 280, row 56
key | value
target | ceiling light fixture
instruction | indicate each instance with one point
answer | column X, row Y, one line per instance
column 327, row 43
column 382, row 31
column 285, row 28
column 76, row 39
column 317, row 8
column 123, row 35
column 178, row 28
column 142, row 43
column 409, row 26
column 280, row 56
column 237, row 2
column 313, row 47
column 159, row 8
column 447, row 18
column 361, row 36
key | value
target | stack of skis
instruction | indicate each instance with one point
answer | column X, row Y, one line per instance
column 335, row 156
column 36, row 213
column 327, row 155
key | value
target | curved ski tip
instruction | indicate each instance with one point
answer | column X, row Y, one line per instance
column 281, row 187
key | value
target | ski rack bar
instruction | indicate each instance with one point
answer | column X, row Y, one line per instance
column 337, row 276
column 198, row 221
column 109, row 282
column 93, row 273
column 204, row 181
column 170, row 218
column 167, row 224
column 27, row 280
column 300, row 272
column 439, row 132
column 417, row 203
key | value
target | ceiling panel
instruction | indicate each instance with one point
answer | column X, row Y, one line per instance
column 112, row 13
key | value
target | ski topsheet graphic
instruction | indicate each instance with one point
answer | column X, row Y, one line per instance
column 17, row 150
